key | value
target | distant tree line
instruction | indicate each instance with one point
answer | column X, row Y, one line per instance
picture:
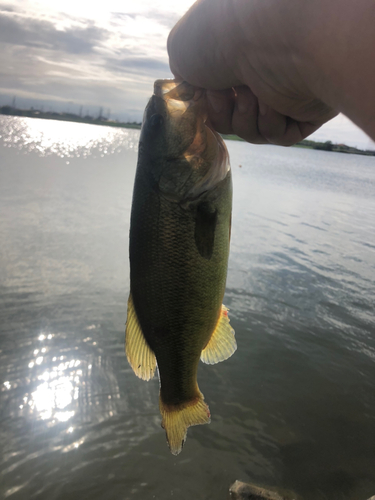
column 66, row 116
column 101, row 120
column 338, row 148
column 323, row 146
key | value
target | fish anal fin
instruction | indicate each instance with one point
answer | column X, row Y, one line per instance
column 222, row 343
column 178, row 418
column 140, row 356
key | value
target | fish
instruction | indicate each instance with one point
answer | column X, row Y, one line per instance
column 178, row 248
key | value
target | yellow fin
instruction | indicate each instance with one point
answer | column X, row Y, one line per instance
column 177, row 419
column 140, row 356
column 222, row 343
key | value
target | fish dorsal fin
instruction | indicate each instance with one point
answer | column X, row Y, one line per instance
column 222, row 343
column 140, row 356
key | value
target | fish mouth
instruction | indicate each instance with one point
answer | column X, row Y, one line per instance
column 185, row 102
column 182, row 101
column 177, row 91
column 185, row 107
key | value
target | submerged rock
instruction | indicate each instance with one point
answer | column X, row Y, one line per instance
column 247, row 491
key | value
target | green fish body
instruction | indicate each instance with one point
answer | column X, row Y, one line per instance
column 179, row 248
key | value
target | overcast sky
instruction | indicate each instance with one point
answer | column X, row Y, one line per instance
column 76, row 52
column 66, row 54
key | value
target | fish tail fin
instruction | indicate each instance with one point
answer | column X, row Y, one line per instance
column 177, row 419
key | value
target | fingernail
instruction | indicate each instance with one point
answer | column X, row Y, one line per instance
column 263, row 108
column 215, row 100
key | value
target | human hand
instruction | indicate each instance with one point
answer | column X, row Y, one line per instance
column 249, row 55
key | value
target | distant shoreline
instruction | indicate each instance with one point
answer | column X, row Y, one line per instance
column 100, row 120
column 323, row 146
column 66, row 117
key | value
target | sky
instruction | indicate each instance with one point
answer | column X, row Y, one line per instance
column 61, row 55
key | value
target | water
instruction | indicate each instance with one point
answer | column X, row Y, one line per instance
column 293, row 408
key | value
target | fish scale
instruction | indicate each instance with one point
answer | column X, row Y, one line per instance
column 179, row 247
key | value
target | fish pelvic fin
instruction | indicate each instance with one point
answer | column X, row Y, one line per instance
column 222, row 343
column 140, row 356
column 177, row 419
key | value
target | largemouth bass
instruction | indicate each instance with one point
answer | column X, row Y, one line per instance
column 179, row 247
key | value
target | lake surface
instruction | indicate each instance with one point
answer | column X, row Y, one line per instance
column 293, row 408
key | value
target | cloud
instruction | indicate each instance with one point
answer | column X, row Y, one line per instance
column 106, row 55
column 18, row 30
column 8, row 8
column 110, row 61
column 167, row 19
column 139, row 65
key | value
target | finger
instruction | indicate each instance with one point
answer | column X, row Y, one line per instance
column 220, row 109
column 245, row 116
column 282, row 130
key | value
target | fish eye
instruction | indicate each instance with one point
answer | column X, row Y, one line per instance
column 156, row 121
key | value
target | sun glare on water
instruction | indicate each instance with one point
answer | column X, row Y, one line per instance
column 64, row 139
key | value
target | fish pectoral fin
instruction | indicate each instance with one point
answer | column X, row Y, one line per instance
column 222, row 343
column 139, row 354
column 177, row 419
